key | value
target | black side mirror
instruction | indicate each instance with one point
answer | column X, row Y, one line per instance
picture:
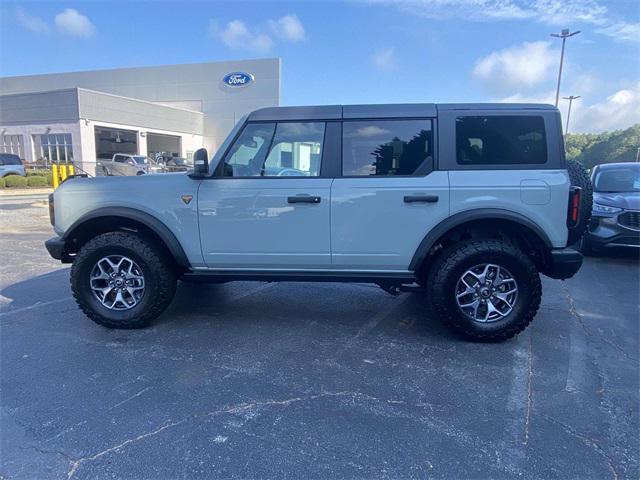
column 200, row 163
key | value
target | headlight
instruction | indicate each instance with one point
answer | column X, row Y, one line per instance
column 597, row 208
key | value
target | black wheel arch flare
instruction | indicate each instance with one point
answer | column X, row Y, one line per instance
column 461, row 218
column 138, row 216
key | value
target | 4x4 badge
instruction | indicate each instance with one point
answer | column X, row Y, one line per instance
column 187, row 199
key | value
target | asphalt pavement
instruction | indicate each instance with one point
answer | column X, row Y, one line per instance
column 295, row 380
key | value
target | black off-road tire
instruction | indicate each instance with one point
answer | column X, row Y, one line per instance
column 455, row 260
column 157, row 268
column 580, row 178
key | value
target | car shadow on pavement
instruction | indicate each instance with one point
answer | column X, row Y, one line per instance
column 364, row 308
column 347, row 310
column 49, row 288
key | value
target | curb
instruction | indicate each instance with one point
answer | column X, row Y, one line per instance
column 15, row 192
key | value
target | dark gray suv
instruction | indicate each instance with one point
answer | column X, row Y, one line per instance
column 615, row 218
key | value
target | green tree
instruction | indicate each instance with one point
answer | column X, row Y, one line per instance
column 608, row 147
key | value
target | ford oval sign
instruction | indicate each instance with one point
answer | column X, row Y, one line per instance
column 238, row 79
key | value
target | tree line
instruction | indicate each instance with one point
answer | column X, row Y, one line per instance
column 594, row 148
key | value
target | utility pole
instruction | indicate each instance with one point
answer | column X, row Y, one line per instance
column 564, row 34
column 571, row 98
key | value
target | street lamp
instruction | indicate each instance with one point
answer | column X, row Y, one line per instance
column 571, row 98
column 564, row 34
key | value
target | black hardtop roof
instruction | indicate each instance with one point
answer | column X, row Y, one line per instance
column 398, row 110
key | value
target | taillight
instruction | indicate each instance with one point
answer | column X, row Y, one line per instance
column 52, row 212
column 573, row 214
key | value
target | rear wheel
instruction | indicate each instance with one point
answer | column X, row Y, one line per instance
column 121, row 280
column 485, row 290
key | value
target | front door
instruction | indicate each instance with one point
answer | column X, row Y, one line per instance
column 389, row 197
column 267, row 207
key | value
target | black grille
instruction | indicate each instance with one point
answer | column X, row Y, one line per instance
column 630, row 219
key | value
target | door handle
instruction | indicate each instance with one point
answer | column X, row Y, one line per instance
column 420, row 198
column 303, row 199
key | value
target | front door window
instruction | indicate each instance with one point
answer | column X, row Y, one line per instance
column 286, row 149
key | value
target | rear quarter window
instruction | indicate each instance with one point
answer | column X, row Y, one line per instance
column 500, row 140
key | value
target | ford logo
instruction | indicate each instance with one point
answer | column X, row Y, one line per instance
column 238, row 79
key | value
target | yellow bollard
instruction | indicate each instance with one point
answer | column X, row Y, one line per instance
column 63, row 173
column 54, row 176
column 72, row 169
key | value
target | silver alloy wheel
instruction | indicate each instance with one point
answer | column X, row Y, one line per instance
column 486, row 293
column 117, row 282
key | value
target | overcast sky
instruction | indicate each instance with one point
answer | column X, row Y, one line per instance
column 369, row 51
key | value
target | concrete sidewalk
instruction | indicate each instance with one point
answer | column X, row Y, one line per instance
column 16, row 192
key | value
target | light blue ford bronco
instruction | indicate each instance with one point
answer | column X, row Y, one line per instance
column 467, row 203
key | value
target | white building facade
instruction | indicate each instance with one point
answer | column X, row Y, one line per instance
column 170, row 110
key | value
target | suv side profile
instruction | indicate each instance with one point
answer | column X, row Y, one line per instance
column 10, row 164
column 467, row 203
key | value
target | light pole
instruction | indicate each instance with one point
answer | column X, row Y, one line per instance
column 564, row 34
column 571, row 98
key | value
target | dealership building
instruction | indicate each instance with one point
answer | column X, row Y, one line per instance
column 168, row 110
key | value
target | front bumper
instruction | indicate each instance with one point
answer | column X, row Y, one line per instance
column 57, row 248
column 563, row 263
column 608, row 231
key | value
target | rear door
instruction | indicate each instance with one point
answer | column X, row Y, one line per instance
column 389, row 196
column 268, row 204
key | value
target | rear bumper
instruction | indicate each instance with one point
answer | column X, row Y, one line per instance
column 56, row 247
column 564, row 263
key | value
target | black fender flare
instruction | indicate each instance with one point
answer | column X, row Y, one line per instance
column 146, row 219
column 472, row 215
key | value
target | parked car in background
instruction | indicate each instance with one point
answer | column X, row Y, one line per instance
column 10, row 164
column 177, row 164
column 615, row 220
column 124, row 164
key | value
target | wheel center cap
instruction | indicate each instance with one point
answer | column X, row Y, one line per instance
column 119, row 283
column 485, row 292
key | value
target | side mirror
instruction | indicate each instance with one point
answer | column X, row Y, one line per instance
column 200, row 163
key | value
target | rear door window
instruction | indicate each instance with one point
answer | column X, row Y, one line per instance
column 386, row 147
column 500, row 140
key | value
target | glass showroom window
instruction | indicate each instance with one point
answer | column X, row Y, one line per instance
column 12, row 144
column 54, row 147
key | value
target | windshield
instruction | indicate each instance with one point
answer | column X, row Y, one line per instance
column 618, row 179
column 140, row 159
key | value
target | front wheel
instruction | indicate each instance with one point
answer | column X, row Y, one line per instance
column 485, row 290
column 122, row 280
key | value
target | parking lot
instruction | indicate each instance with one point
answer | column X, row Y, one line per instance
column 294, row 380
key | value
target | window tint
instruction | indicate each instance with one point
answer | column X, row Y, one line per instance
column 386, row 147
column 295, row 151
column 8, row 159
column 500, row 140
column 287, row 149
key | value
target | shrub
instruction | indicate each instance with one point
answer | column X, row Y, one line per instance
column 2, row 183
column 15, row 181
column 38, row 173
column 37, row 181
